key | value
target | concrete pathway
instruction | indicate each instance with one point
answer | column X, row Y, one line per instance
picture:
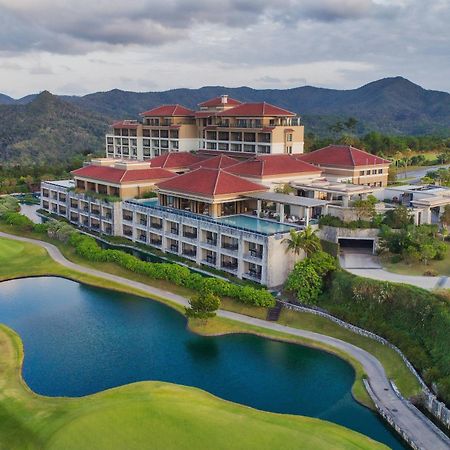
column 419, row 429
column 368, row 265
column 415, row 175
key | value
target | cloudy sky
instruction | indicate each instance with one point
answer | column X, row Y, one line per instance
column 81, row 46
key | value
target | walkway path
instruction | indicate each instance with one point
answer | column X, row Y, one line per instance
column 367, row 265
column 421, row 430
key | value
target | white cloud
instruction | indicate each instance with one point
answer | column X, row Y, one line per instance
column 155, row 44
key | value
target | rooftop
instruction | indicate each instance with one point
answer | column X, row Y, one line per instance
column 286, row 199
column 119, row 175
column 210, row 183
column 271, row 165
column 176, row 160
column 221, row 100
column 256, row 110
column 216, row 162
column 342, row 155
column 168, row 110
column 344, row 188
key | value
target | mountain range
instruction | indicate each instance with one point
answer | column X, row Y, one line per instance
column 63, row 126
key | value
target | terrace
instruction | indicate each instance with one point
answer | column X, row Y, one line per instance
column 241, row 222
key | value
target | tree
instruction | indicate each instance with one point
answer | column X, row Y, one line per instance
column 400, row 217
column 427, row 252
column 305, row 282
column 305, row 240
column 284, row 189
column 203, row 305
column 365, row 209
column 445, row 217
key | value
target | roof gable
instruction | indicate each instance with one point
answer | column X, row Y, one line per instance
column 210, row 183
column 343, row 155
column 216, row 162
column 256, row 110
column 176, row 160
column 117, row 176
column 217, row 101
column 168, row 110
column 271, row 165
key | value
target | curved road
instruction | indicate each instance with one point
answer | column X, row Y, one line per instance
column 421, row 430
column 367, row 265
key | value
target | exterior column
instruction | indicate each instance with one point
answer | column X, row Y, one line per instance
column 258, row 207
column 281, row 211
column 345, row 201
column 426, row 216
column 307, row 215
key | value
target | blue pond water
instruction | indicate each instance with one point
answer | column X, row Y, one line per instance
column 80, row 340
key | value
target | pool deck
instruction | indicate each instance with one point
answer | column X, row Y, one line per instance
column 246, row 222
column 415, row 425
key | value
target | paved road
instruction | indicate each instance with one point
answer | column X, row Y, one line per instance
column 367, row 265
column 417, row 174
column 415, row 424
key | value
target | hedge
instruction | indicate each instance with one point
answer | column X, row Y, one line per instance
column 415, row 320
column 88, row 248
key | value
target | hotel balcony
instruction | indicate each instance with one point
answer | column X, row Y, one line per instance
column 142, row 236
column 209, row 258
column 229, row 264
column 127, row 216
column 156, row 241
column 156, row 224
column 189, row 232
column 189, row 251
column 230, row 244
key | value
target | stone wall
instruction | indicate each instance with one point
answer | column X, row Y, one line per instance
column 431, row 403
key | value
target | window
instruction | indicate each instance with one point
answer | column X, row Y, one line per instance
column 289, row 137
column 289, row 149
column 374, row 171
column 361, row 173
column 380, row 170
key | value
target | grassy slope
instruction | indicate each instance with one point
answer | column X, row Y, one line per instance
column 441, row 267
column 394, row 366
column 141, row 415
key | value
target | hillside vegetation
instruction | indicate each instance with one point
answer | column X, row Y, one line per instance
column 48, row 130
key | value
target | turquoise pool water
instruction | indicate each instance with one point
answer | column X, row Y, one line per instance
column 254, row 224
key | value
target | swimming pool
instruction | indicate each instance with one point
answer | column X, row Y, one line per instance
column 255, row 224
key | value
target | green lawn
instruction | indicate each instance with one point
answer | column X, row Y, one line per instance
column 21, row 259
column 142, row 415
column 148, row 415
column 440, row 267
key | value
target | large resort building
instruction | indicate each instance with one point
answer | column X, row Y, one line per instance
column 222, row 186
column 221, row 124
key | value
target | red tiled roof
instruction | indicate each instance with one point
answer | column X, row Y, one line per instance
column 210, row 182
column 269, row 165
column 342, row 155
column 114, row 175
column 202, row 114
column 168, row 110
column 217, row 162
column 125, row 124
column 176, row 160
column 256, row 110
column 217, row 101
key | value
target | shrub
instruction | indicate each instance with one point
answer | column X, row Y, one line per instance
column 18, row 220
column 415, row 320
column 88, row 248
column 203, row 305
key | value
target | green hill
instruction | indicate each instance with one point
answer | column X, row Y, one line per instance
column 48, row 130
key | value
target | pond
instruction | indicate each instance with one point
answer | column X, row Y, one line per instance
column 79, row 340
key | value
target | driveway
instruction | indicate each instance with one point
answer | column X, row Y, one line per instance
column 365, row 264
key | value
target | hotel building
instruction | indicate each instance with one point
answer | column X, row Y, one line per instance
column 227, row 184
column 221, row 124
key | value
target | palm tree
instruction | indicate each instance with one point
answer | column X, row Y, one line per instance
column 305, row 240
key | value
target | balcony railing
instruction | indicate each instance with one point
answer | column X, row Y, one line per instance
column 128, row 218
column 230, row 246
column 174, row 230
column 211, row 241
column 210, row 260
column 128, row 233
column 254, row 253
column 174, row 248
column 156, row 225
column 190, row 235
column 189, row 252
column 229, row 266
column 157, row 242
